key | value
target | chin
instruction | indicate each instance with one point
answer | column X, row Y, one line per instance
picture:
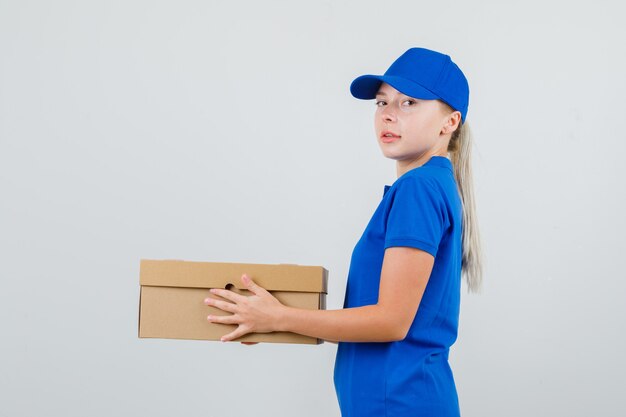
column 390, row 155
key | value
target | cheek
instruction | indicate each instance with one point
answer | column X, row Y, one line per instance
column 378, row 122
column 422, row 122
column 420, row 128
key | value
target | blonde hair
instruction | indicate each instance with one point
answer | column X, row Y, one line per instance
column 460, row 149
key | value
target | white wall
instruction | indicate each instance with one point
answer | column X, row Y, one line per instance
column 225, row 131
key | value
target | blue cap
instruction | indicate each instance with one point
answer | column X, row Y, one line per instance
column 423, row 74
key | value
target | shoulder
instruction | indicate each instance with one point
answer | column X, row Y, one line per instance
column 418, row 181
column 427, row 189
column 429, row 179
column 417, row 213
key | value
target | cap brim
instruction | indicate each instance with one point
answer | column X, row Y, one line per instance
column 365, row 87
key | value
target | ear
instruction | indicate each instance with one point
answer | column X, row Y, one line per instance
column 451, row 123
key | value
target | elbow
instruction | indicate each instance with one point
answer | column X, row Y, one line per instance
column 394, row 327
column 396, row 332
column 399, row 335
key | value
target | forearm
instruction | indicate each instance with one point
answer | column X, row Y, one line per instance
column 358, row 324
column 387, row 321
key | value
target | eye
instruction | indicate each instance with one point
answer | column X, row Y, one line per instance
column 379, row 103
column 409, row 101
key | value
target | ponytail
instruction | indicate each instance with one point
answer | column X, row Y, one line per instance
column 460, row 148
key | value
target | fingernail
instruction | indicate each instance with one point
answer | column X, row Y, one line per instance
column 209, row 318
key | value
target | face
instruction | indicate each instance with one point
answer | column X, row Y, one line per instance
column 411, row 130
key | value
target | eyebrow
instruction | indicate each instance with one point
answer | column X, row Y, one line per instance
column 380, row 93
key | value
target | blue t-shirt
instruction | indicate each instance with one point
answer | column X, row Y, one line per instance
column 411, row 377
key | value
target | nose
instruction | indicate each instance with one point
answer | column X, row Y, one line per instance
column 388, row 114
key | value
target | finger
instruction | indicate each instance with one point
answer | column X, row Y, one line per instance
column 252, row 286
column 222, row 305
column 227, row 294
column 238, row 332
column 231, row 319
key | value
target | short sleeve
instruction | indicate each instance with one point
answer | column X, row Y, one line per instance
column 417, row 217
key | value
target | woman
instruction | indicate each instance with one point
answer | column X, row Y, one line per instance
column 401, row 308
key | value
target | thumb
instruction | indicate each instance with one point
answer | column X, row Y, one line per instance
column 251, row 285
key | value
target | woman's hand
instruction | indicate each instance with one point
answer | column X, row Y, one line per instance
column 258, row 313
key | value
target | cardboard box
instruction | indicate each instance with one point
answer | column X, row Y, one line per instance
column 171, row 301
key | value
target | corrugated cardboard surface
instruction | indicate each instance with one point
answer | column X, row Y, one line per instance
column 173, row 292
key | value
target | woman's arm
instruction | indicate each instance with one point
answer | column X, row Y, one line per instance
column 404, row 275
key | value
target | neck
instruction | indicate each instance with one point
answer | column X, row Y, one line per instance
column 406, row 165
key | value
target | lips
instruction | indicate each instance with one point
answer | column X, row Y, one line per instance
column 388, row 136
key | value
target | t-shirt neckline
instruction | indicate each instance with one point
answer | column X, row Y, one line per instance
column 436, row 160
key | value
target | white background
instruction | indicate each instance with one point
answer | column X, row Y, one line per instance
column 225, row 131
